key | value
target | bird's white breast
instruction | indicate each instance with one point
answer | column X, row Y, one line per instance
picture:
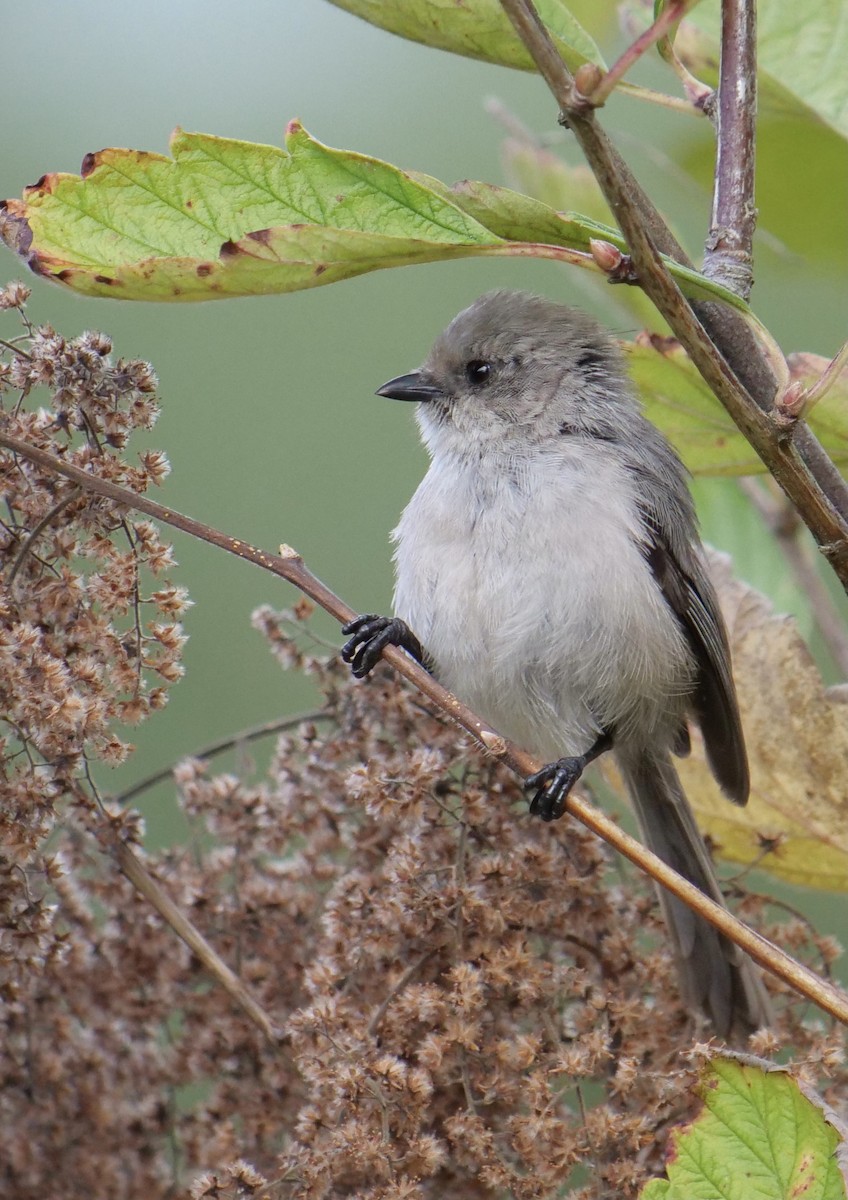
column 524, row 579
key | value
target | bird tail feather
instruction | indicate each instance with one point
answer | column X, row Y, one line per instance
column 715, row 974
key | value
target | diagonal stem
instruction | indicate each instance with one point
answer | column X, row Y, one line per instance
column 719, row 343
column 620, row 183
column 289, row 565
column 147, row 886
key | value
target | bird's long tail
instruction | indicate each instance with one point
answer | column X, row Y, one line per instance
column 715, row 974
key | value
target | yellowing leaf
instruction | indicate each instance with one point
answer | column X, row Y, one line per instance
column 795, row 824
column 678, row 400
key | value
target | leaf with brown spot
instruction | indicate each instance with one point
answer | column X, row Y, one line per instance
column 796, row 731
column 263, row 219
column 225, row 218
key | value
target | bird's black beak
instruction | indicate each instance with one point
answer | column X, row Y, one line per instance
column 415, row 386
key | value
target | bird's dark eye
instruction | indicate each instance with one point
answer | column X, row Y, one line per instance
column 590, row 358
column 477, row 371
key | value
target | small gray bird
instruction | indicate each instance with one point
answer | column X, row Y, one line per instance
column 550, row 567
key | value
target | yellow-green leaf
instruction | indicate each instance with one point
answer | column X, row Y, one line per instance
column 477, row 28
column 677, row 399
column 758, row 1136
column 795, row 824
column 225, row 218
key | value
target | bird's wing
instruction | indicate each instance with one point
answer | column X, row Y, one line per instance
column 687, row 590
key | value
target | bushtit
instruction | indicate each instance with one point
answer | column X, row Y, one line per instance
column 550, row 565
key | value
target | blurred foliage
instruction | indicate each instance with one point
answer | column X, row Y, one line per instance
column 801, row 55
column 794, row 824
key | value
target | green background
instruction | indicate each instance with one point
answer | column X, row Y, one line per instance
column 268, row 412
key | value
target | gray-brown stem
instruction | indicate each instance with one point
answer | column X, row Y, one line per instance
column 728, row 256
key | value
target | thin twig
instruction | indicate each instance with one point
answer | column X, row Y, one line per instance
column 699, row 95
column 144, row 883
column 818, row 390
column 278, row 725
column 685, row 107
column 16, row 349
column 812, row 483
column 460, row 882
column 289, row 565
column 405, row 979
column 784, row 524
column 465, row 1074
column 136, row 606
column 668, row 18
column 36, row 533
column 728, row 256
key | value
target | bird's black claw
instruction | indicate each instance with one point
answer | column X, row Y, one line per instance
column 552, row 784
column 371, row 635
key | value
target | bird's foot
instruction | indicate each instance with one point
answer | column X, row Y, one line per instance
column 371, row 635
column 552, row 784
column 555, row 781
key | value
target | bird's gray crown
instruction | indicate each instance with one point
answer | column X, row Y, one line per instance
column 517, row 365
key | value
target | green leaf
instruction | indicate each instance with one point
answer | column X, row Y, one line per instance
column 677, row 399
column 520, row 218
column 224, row 218
column 802, row 54
column 477, row 28
column 757, row 1137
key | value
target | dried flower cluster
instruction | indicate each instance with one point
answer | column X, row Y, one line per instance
column 83, row 648
column 473, row 1004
